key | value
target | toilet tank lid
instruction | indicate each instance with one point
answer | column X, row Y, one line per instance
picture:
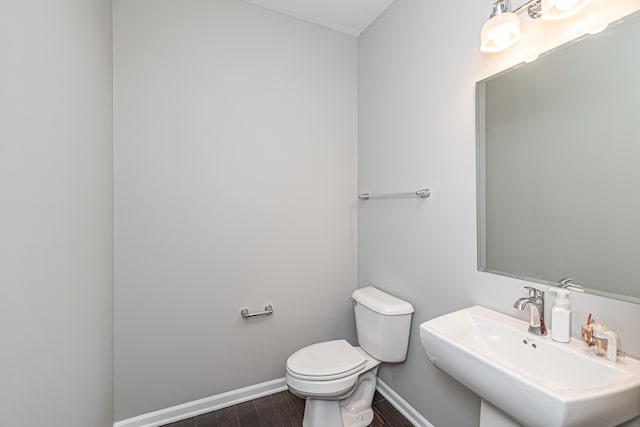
column 381, row 302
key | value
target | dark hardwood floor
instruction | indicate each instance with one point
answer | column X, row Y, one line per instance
column 283, row 410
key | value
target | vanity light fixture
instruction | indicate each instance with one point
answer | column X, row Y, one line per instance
column 503, row 28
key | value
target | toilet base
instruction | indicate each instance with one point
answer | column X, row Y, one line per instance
column 318, row 412
column 354, row 411
column 361, row 419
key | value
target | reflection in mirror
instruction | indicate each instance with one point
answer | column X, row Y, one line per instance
column 559, row 165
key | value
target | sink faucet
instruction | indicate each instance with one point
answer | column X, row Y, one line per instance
column 535, row 301
column 567, row 283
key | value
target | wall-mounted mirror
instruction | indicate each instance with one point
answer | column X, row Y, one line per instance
column 559, row 165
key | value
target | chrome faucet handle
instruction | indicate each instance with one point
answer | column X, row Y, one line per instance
column 565, row 282
column 534, row 293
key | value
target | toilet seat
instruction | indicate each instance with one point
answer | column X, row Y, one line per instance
column 326, row 361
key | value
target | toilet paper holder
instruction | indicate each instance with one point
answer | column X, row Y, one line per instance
column 268, row 309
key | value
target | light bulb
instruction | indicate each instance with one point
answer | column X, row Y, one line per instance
column 561, row 9
column 565, row 5
column 501, row 36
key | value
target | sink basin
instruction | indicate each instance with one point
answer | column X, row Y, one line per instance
column 533, row 379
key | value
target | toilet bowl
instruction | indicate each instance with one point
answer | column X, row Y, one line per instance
column 337, row 379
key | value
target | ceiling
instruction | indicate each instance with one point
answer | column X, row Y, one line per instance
column 348, row 16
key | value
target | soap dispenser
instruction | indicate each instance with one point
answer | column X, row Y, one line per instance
column 561, row 316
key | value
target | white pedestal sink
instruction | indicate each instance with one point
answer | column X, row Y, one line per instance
column 537, row 381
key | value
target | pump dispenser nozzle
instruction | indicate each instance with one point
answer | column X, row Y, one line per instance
column 562, row 297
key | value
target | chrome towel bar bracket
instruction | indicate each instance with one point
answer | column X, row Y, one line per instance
column 423, row 193
column 268, row 309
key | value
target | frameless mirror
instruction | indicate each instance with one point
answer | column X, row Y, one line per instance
column 559, row 165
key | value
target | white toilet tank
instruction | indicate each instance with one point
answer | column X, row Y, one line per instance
column 383, row 323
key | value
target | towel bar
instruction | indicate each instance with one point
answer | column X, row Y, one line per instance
column 424, row 193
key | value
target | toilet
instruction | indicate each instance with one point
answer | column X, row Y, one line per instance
column 337, row 379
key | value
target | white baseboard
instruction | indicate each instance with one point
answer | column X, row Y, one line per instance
column 202, row 406
column 413, row 416
column 234, row 397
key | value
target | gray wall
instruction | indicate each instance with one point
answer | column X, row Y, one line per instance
column 417, row 71
column 56, row 185
column 235, row 182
